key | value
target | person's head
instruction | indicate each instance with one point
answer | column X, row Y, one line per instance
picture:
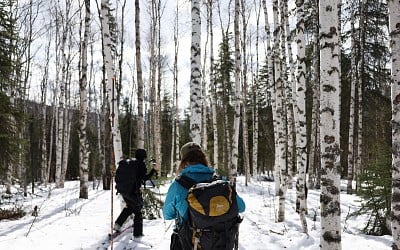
column 140, row 154
column 191, row 153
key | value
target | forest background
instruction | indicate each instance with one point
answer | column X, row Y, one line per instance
column 83, row 84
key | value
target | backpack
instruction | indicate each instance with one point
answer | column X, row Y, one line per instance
column 213, row 221
column 125, row 176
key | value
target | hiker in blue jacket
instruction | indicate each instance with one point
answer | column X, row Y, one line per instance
column 193, row 164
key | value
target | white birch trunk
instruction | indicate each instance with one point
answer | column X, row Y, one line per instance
column 44, row 169
column 353, row 84
column 281, row 146
column 290, row 93
column 53, row 128
column 270, row 65
column 60, row 114
column 83, row 96
column 204, row 106
column 236, row 118
column 157, row 137
column 254, row 166
column 110, row 90
column 301, row 139
column 139, row 76
column 394, row 30
column 275, row 75
column 195, row 74
column 175, row 164
column 314, row 160
column 246, row 160
column 66, row 144
column 66, row 74
column 329, row 112
column 358, row 157
column 152, row 76
column 213, row 89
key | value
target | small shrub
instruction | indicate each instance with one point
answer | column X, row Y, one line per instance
column 12, row 213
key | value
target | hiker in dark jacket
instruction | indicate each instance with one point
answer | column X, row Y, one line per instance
column 133, row 198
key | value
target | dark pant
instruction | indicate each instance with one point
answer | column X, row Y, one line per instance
column 134, row 205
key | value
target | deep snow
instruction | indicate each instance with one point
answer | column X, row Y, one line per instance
column 66, row 222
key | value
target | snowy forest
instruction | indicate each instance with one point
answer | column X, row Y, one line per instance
column 303, row 93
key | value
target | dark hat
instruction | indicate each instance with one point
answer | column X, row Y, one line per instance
column 140, row 154
column 189, row 147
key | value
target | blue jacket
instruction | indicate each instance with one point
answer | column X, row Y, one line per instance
column 175, row 205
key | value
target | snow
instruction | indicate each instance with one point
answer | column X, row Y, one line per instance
column 66, row 222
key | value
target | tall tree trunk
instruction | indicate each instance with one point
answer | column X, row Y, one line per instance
column 301, row 139
column 139, row 76
column 175, row 151
column 271, row 53
column 204, row 105
column 110, row 90
column 152, row 76
column 394, row 31
column 236, row 102
column 353, row 84
column 246, row 160
column 254, row 164
column 52, row 139
column 276, row 100
column 213, row 88
column 61, row 103
column 195, row 74
column 282, row 117
column 67, row 110
column 43, row 142
column 158, row 138
column 358, row 157
column 120, row 53
column 330, row 136
column 315, row 151
column 290, row 93
column 83, row 143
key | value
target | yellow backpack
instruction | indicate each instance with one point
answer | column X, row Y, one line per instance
column 213, row 214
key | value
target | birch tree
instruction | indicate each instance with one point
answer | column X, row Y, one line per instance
column 110, row 90
column 195, row 74
column 66, row 75
column 360, row 88
column 315, row 149
column 329, row 112
column 301, row 139
column 175, row 137
column 271, row 53
column 83, row 109
column 139, row 77
column 245, row 136
column 236, row 119
column 394, row 31
column 277, row 105
column 213, row 87
column 158, row 136
column 254, row 164
column 43, row 143
column 289, row 93
column 280, row 147
column 62, row 94
column 353, row 84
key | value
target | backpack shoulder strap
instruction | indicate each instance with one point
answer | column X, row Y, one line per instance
column 185, row 181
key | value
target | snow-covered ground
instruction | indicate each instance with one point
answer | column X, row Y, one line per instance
column 66, row 222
